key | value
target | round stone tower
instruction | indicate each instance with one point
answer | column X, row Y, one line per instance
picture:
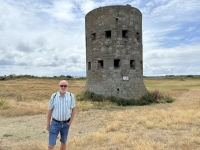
column 114, row 57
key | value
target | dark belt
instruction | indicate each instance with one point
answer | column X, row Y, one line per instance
column 65, row 121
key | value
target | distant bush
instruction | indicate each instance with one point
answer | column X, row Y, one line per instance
column 90, row 96
column 147, row 99
column 2, row 78
column 4, row 104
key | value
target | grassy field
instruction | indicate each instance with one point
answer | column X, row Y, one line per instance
column 102, row 126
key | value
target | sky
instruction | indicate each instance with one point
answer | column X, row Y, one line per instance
column 47, row 37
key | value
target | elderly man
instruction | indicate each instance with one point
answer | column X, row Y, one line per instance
column 60, row 115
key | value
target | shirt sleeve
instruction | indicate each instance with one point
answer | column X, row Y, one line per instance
column 51, row 103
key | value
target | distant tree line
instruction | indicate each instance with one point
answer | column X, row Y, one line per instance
column 68, row 77
column 174, row 76
column 13, row 76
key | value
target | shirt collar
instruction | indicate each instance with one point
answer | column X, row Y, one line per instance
column 63, row 95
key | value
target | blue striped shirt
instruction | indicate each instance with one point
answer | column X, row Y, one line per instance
column 61, row 105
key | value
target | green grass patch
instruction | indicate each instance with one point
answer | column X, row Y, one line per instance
column 149, row 98
column 4, row 104
column 7, row 135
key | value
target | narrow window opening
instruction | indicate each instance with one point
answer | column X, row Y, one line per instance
column 125, row 33
column 117, row 89
column 93, row 36
column 138, row 36
column 132, row 64
column 116, row 63
column 141, row 64
column 117, row 19
column 100, row 64
column 89, row 65
column 108, row 34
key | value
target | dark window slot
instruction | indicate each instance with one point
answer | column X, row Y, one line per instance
column 125, row 33
column 93, row 36
column 138, row 36
column 89, row 65
column 100, row 64
column 132, row 64
column 108, row 34
column 116, row 63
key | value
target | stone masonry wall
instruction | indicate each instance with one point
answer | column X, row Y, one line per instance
column 114, row 57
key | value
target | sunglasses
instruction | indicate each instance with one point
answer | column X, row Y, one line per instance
column 63, row 85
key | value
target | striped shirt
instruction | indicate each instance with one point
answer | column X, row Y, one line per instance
column 61, row 105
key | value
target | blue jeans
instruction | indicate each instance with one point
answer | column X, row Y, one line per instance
column 55, row 129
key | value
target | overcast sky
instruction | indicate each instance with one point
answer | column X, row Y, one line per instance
column 47, row 37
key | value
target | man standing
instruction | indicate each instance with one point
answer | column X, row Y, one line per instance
column 60, row 115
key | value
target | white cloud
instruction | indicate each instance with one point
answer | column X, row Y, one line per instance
column 87, row 5
column 62, row 10
column 190, row 29
column 177, row 60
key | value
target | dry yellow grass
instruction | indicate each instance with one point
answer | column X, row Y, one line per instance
column 173, row 126
column 31, row 96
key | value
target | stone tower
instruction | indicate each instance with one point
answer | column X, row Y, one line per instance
column 114, row 57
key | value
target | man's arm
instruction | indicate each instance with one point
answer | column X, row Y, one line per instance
column 72, row 115
column 49, row 113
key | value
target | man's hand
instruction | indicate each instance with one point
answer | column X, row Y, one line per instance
column 69, row 123
column 49, row 112
column 72, row 116
column 47, row 128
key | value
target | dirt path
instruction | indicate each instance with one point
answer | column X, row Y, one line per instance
column 23, row 129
